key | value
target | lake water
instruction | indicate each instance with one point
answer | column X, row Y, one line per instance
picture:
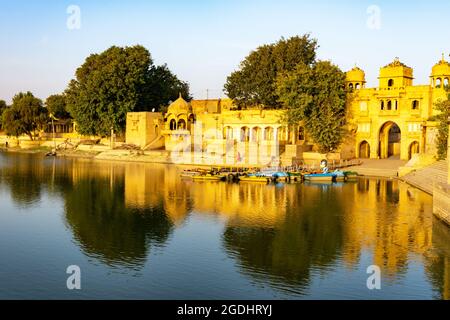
column 137, row 231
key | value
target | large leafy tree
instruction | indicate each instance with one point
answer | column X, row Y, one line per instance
column 316, row 96
column 57, row 106
column 111, row 84
column 25, row 116
column 163, row 86
column 442, row 139
column 3, row 107
column 254, row 84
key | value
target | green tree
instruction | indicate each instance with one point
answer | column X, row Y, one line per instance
column 3, row 107
column 163, row 86
column 316, row 95
column 254, row 84
column 25, row 116
column 57, row 106
column 442, row 139
column 111, row 84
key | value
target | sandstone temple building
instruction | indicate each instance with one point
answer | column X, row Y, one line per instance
column 394, row 120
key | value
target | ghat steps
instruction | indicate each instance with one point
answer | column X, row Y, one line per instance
column 425, row 178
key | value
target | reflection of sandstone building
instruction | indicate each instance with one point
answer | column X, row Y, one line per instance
column 390, row 120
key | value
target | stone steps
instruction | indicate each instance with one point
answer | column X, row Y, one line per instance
column 374, row 172
column 426, row 178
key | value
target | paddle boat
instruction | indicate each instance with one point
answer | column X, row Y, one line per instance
column 295, row 176
column 351, row 175
column 187, row 174
column 319, row 177
column 281, row 176
column 339, row 176
column 255, row 178
column 208, row 177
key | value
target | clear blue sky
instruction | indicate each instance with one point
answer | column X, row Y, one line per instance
column 203, row 41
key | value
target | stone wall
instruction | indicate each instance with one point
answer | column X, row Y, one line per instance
column 143, row 128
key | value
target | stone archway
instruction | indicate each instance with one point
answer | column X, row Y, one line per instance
column 389, row 140
column 364, row 150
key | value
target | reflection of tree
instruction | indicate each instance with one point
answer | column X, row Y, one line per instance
column 107, row 229
column 309, row 237
column 23, row 177
column 438, row 262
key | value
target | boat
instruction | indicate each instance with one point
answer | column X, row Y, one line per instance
column 281, row 176
column 351, row 175
column 339, row 176
column 208, row 177
column 255, row 178
column 319, row 177
column 295, row 176
column 189, row 174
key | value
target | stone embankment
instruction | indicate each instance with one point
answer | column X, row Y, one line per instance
column 426, row 178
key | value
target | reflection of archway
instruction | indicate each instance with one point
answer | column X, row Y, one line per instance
column 413, row 149
column 364, row 150
column 390, row 140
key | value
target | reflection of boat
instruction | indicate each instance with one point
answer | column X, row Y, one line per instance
column 319, row 177
column 319, row 183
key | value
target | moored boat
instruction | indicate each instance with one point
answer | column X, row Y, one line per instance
column 208, row 177
column 351, row 175
column 319, row 177
column 254, row 178
column 339, row 176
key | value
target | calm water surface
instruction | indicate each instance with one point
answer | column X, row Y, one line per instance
column 138, row 231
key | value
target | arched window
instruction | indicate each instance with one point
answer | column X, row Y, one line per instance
column 301, row 133
column 245, row 134
column 182, row 125
column 357, row 86
column 446, row 83
column 228, row 133
column 382, row 105
column 415, row 105
column 389, row 105
column 173, row 124
column 391, row 83
column 282, row 134
column 350, row 86
column 396, row 104
column 438, row 82
column 268, row 134
column 256, row 134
